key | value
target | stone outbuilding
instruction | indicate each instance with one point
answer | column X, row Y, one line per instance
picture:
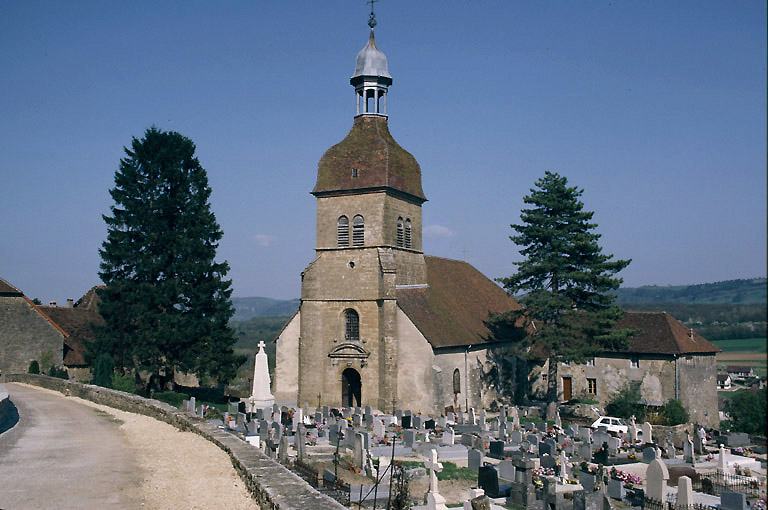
column 665, row 357
column 380, row 323
column 26, row 332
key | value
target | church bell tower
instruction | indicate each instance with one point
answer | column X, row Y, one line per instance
column 368, row 245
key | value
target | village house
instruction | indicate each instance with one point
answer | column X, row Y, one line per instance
column 666, row 358
column 740, row 372
column 724, row 382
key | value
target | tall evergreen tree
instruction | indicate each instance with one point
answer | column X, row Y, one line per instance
column 166, row 303
column 565, row 279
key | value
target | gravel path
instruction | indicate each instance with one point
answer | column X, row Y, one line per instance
column 175, row 469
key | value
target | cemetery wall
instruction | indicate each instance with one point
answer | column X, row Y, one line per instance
column 272, row 485
column 25, row 335
column 286, row 383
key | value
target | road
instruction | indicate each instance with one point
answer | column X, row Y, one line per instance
column 65, row 455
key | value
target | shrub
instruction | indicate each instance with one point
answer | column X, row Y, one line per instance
column 627, row 402
column 674, row 413
column 747, row 410
column 102, row 371
column 34, row 367
column 46, row 361
column 126, row 383
column 59, row 372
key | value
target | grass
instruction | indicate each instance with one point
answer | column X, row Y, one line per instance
column 450, row 471
column 742, row 344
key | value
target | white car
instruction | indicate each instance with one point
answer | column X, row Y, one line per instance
column 613, row 425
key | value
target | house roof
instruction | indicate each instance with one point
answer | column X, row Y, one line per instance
column 723, row 377
column 77, row 322
column 453, row 309
column 738, row 369
column 380, row 162
column 6, row 289
column 660, row 333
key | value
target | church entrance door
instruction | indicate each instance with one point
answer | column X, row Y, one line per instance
column 350, row 388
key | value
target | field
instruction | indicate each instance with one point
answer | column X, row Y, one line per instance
column 744, row 351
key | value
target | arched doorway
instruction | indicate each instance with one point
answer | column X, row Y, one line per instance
column 350, row 388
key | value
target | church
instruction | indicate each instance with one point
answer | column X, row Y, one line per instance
column 381, row 323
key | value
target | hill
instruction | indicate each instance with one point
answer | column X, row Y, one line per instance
column 249, row 307
column 727, row 292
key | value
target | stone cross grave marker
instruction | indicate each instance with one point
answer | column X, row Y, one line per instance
column 721, row 463
column 434, row 500
column 688, row 449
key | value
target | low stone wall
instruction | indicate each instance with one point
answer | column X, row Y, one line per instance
column 272, row 485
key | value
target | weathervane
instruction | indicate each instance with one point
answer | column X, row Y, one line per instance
column 372, row 18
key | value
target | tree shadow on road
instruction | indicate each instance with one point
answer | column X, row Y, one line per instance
column 11, row 419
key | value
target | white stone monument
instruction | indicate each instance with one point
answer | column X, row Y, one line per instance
column 434, row 500
column 656, row 480
column 684, row 492
column 261, row 396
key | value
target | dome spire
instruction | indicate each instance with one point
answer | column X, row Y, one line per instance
column 371, row 79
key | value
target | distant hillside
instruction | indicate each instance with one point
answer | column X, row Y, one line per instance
column 728, row 292
column 250, row 307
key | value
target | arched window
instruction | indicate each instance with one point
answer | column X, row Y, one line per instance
column 358, row 231
column 400, row 232
column 352, row 325
column 342, row 231
column 456, row 382
column 408, row 233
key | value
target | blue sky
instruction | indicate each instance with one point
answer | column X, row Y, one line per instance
column 656, row 109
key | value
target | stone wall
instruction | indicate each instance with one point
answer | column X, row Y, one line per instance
column 272, row 485
column 690, row 378
column 286, row 383
column 25, row 335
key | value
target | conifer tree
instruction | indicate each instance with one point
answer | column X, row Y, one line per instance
column 565, row 279
column 166, row 304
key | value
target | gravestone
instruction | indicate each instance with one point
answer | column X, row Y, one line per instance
column 733, row 501
column 532, row 438
column 460, row 417
column 529, row 426
column 688, row 450
column 299, row 441
column 656, row 480
column 587, row 480
column 429, row 424
column 359, row 452
column 399, row 416
column 649, row 454
column 698, row 447
column 548, row 462
column 506, row 470
column 450, row 417
column 448, row 437
column 378, row 428
column 434, row 500
column 263, row 429
column 601, row 455
column 501, row 428
column 563, row 467
column 472, row 420
column 417, row 422
column 585, row 451
column 670, row 450
column 253, row 427
column 483, row 420
column 572, row 430
column 722, row 465
column 616, row 489
column 632, row 431
column 613, row 445
column 488, row 480
column 409, row 437
column 357, row 420
column 282, row 451
column 442, row 422
column 647, row 433
column 319, row 418
column 545, row 449
column 515, row 436
column 326, row 411
column 541, row 426
column 684, row 492
column 474, row 459
column 406, row 421
column 736, row 439
column 468, row 440
column 584, row 434
column 496, row 449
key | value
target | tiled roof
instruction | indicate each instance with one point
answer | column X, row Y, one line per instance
column 660, row 333
column 380, row 162
column 6, row 289
column 77, row 322
column 453, row 310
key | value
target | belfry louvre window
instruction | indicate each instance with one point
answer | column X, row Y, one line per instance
column 352, row 329
column 407, row 233
column 400, row 232
column 358, row 231
column 342, row 231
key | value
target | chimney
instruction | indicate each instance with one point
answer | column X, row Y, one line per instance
column 70, row 302
column 52, row 303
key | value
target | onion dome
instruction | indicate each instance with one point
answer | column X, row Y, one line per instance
column 371, row 61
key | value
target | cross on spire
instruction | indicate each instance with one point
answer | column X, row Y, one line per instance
column 261, row 344
column 372, row 18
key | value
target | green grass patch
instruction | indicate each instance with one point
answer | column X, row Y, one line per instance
column 743, row 344
column 450, row 470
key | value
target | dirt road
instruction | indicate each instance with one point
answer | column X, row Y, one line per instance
column 68, row 453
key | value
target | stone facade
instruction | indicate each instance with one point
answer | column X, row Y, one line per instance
column 25, row 334
column 679, row 368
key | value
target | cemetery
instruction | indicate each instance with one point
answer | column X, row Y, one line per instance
column 363, row 457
